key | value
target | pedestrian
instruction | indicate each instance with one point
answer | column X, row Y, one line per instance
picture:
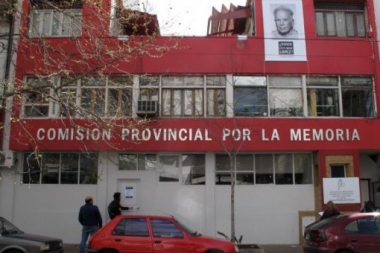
column 114, row 208
column 283, row 18
column 330, row 211
column 368, row 207
column 90, row 219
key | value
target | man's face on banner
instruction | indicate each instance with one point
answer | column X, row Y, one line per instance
column 284, row 21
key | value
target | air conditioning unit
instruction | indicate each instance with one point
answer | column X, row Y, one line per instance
column 147, row 107
column 7, row 159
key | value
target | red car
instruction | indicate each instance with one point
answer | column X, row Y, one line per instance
column 354, row 233
column 152, row 233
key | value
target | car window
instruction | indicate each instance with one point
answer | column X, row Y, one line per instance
column 131, row 227
column 321, row 223
column 369, row 225
column 165, row 228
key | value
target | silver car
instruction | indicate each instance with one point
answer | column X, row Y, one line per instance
column 13, row 240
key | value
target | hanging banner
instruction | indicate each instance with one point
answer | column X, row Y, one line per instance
column 284, row 32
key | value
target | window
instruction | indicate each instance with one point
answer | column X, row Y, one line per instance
column 137, row 162
column 93, row 94
column 131, row 227
column 119, row 96
column 340, row 19
column 149, row 88
column 250, row 96
column 165, row 228
column 285, row 96
column 323, row 96
column 182, row 96
column 188, row 169
column 57, row 22
column 357, row 97
column 216, row 95
column 338, row 170
column 60, row 168
column 366, row 226
column 37, row 102
column 250, row 169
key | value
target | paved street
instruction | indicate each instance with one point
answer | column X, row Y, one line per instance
column 272, row 248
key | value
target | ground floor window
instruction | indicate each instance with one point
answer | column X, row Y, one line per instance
column 60, row 168
column 277, row 168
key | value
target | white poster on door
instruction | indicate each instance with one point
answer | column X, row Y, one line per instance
column 284, row 32
column 344, row 190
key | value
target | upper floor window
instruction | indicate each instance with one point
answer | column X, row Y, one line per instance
column 340, row 19
column 55, row 18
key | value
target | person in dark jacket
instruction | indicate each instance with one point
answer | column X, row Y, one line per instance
column 369, row 207
column 90, row 219
column 330, row 211
column 114, row 208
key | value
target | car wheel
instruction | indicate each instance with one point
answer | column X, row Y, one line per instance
column 214, row 251
column 13, row 251
column 108, row 251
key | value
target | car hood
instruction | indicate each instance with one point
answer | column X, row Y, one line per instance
column 32, row 237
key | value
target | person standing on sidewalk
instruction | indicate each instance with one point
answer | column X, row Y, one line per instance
column 330, row 211
column 114, row 208
column 90, row 219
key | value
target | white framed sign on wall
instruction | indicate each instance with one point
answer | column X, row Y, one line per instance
column 344, row 190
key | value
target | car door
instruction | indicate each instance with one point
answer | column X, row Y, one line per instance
column 169, row 238
column 131, row 235
column 367, row 237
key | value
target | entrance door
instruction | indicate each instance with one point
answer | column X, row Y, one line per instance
column 129, row 189
column 364, row 190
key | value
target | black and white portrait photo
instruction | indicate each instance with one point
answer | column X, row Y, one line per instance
column 284, row 31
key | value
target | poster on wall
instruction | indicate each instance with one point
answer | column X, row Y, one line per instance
column 344, row 190
column 284, row 33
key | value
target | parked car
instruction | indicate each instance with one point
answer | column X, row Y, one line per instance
column 13, row 240
column 153, row 233
column 354, row 233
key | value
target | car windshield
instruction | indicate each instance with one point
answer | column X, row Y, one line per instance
column 186, row 228
column 8, row 228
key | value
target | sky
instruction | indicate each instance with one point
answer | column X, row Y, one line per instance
column 186, row 17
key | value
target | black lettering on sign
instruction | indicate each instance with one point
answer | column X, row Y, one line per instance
column 285, row 48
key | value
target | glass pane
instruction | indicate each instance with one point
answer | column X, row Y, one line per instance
column 216, row 81
column 177, row 105
column 284, row 168
column 149, row 81
column 199, row 102
column 303, row 168
column 244, row 178
column 131, row 227
column 93, row 81
column 68, row 102
column 120, row 81
column 244, row 162
column 222, row 163
column 148, row 94
column 331, row 28
column 358, row 103
column 249, row 81
column 35, row 22
column 341, row 24
column 194, row 81
column 50, row 171
column 323, row 102
column 88, row 168
column 69, row 168
column 56, row 24
column 166, row 102
column 264, row 168
column 322, row 81
column 350, row 24
column 216, row 102
column 286, row 102
column 320, row 24
column 250, row 101
column 193, row 170
column 189, row 102
column 172, row 81
column 127, row 162
column 119, row 102
column 281, row 81
column 147, row 162
column 338, row 171
column 31, row 169
column 36, row 111
column 360, row 24
column 76, row 25
column 165, row 228
column 169, row 169
column 46, row 25
column 357, row 82
column 93, row 101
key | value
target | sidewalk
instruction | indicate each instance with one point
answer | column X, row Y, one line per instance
column 268, row 248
